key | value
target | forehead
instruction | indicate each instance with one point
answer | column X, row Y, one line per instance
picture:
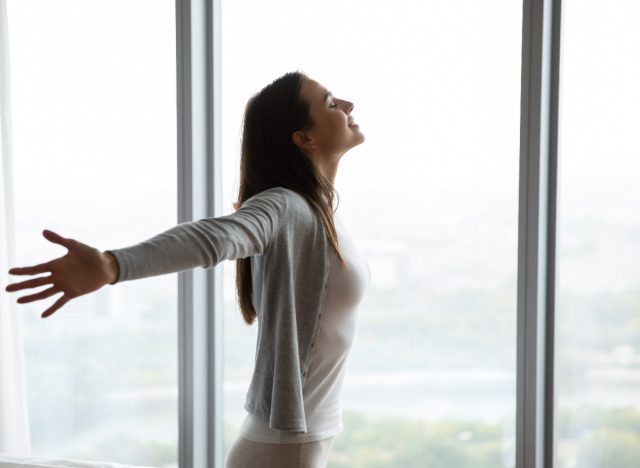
column 312, row 90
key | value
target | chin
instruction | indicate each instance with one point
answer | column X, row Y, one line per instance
column 357, row 139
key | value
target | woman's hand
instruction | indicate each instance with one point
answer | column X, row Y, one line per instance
column 82, row 270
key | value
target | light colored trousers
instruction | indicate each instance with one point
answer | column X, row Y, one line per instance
column 246, row 453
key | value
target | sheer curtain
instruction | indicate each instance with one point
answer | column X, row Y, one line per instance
column 14, row 422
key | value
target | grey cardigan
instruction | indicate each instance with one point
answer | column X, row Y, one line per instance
column 290, row 266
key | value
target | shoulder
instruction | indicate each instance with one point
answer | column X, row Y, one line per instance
column 282, row 192
column 281, row 198
column 273, row 199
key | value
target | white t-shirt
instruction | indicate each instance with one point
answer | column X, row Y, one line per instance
column 323, row 387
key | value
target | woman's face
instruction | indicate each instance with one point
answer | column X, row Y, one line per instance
column 333, row 130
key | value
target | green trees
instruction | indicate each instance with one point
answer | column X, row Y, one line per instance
column 408, row 443
column 599, row 438
column 590, row 438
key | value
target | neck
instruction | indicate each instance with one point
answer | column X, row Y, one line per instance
column 328, row 167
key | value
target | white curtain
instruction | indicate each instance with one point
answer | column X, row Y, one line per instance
column 14, row 421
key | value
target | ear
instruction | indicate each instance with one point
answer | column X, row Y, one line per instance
column 302, row 141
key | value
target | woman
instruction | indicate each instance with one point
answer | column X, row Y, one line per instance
column 297, row 271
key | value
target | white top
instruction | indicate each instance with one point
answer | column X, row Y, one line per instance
column 323, row 387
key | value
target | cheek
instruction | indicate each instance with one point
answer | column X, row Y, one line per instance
column 332, row 127
column 339, row 124
column 333, row 132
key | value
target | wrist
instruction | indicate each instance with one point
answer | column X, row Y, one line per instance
column 112, row 267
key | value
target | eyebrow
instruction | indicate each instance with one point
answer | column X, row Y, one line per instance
column 327, row 96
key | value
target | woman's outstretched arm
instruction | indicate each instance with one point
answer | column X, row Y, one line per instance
column 82, row 270
column 203, row 243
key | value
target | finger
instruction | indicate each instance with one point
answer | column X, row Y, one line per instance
column 59, row 303
column 41, row 295
column 57, row 238
column 32, row 283
column 32, row 270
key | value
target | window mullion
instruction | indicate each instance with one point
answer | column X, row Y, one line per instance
column 537, row 233
column 199, row 290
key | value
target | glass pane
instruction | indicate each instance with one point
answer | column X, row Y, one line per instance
column 598, row 327
column 95, row 159
column 431, row 198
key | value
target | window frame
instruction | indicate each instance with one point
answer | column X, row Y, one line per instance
column 200, row 195
column 536, row 295
column 200, row 430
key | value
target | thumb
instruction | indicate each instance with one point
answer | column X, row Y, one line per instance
column 56, row 238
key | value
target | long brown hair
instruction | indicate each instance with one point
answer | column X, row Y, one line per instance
column 269, row 158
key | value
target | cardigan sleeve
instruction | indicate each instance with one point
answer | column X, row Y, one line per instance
column 206, row 242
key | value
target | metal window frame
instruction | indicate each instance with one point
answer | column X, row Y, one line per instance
column 199, row 195
column 536, row 298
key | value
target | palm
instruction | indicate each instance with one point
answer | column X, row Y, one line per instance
column 79, row 272
column 75, row 272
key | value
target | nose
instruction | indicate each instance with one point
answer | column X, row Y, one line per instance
column 347, row 105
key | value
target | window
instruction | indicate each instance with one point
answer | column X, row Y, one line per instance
column 432, row 200
column 442, row 198
column 94, row 151
column 598, row 332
